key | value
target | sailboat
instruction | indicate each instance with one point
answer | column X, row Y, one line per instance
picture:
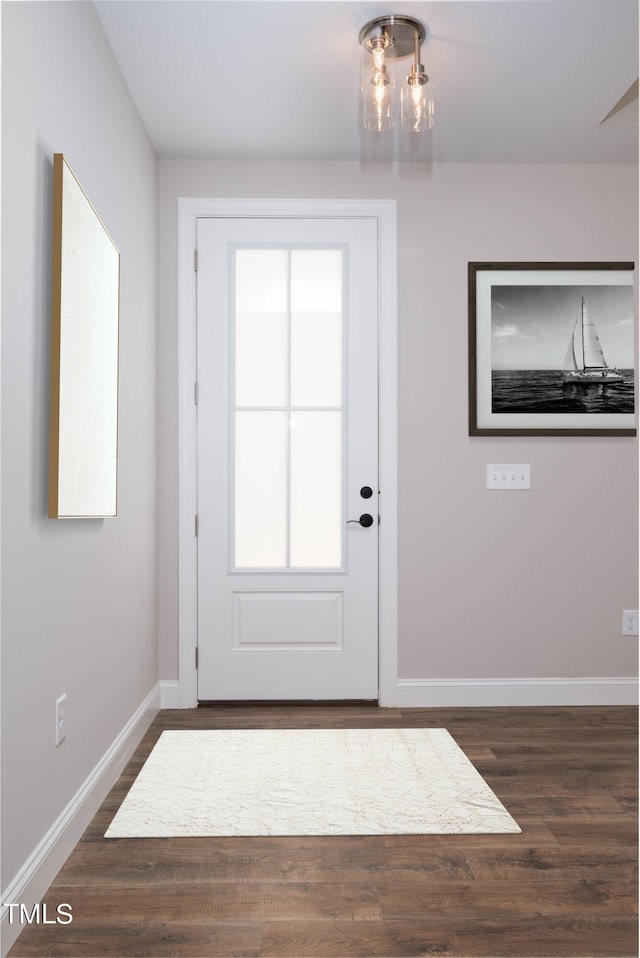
column 585, row 362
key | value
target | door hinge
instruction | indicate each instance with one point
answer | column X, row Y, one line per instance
column 195, row 260
column 196, row 656
column 196, row 523
column 195, row 393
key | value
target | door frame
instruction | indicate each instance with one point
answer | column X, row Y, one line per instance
column 190, row 209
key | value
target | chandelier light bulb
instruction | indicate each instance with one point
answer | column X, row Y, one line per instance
column 416, row 106
column 378, row 58
column 380, row 93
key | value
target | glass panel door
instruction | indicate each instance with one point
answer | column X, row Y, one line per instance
column 287, row 421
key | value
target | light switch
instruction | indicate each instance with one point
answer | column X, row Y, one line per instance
column 509, row 476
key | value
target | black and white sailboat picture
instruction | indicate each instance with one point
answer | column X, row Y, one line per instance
column 548, row 357
column 584, row 361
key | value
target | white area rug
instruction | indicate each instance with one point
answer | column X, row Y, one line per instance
column 308, row 782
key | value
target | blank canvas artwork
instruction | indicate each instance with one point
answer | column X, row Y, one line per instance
column 84, row 356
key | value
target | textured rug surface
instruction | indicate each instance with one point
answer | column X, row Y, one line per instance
column 308, row 782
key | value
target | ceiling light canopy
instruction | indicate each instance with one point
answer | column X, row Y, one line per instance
column 384, row 41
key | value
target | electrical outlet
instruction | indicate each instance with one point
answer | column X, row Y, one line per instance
column 61, row 719
column 630, row 622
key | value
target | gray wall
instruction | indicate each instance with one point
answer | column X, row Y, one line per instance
column 491, row 585
column 79, row 597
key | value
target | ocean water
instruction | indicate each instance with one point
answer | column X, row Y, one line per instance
column 543, row 390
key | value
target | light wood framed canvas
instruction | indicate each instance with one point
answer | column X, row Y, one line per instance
column 83, row 424
column 551, row 349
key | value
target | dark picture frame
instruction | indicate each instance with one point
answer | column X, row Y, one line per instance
column 538, row 337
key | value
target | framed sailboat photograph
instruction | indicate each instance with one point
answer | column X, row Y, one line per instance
column 551, row 349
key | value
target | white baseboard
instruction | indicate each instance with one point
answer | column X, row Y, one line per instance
column 444, row 693
column 169, row 694
column 42, row 866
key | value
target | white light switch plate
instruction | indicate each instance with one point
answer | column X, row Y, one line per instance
column 509, row 476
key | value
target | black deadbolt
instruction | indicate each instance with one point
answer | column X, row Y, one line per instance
column 366, row 492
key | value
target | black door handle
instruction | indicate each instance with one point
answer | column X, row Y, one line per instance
column 365, row 520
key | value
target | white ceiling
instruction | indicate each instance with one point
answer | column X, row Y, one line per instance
column 515, row 80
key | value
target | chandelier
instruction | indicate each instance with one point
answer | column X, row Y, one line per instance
column 383, row 42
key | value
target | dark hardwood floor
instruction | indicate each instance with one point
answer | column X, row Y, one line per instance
column 565, row 887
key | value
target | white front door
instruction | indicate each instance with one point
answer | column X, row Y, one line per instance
column 287, row 366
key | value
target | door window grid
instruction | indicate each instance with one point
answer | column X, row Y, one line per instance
column 291, row 416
